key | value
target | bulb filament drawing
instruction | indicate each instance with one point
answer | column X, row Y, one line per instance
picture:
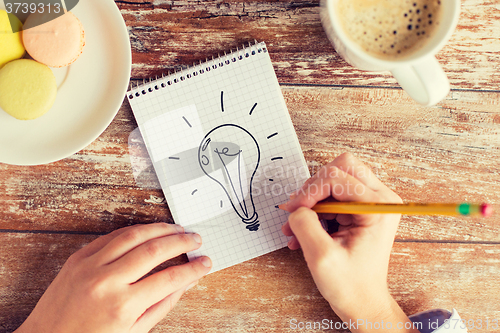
column 233, row 166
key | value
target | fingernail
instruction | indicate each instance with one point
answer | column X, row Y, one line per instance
column 191, row 285
column 179, row 228
column 197, row 238
column 205, row 261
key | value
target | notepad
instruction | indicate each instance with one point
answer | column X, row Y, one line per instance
column 225, row 152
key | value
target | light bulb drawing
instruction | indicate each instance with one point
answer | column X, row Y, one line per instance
column 238, row 160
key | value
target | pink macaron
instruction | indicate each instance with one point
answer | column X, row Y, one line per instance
column 56, row 43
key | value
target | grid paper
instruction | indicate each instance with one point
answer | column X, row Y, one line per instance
column 225, row 152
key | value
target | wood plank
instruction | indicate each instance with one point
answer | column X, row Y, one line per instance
column 447, row 153
column 91, row 191
column 167, row 36
column 29, row 263
column 264, row 294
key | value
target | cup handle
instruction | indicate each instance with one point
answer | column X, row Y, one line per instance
column 425, row 81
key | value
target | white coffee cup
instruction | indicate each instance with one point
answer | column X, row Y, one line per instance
column 419, row 74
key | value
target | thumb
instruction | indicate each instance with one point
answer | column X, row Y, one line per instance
column 313, row 239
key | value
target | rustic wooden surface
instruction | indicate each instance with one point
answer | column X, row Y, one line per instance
column 445, row 153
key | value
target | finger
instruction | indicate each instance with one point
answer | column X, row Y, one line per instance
column 285, row 228
column 141, row 260
column 306, row 184
column 97, row 244
column 327, row 216
column 337, row 184
column 351, row 165
column 293, row 243
column 311, row 236
column 345, row 220
column 132, row 238
column 157, row 312
column 157, row 286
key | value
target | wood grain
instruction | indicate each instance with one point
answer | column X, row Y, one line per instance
column 168, row 36
column 266, row 293
column 445, row 153
column 448, row 153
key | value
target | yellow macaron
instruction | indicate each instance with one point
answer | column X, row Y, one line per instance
column 11, row 44
column 28, row 89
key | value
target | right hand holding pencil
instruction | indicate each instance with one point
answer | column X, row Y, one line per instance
column 349, row 266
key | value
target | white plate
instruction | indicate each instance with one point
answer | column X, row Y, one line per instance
column 90, row 93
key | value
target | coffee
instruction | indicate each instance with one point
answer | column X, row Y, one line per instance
column 389, row 29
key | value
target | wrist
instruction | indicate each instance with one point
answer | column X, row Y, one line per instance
column 376, row 314
column 364, row 306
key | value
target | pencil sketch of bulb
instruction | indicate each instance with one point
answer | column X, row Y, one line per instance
column 233, row 150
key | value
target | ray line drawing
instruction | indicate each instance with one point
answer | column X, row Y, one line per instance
column 222, row 101
column 253, row 107
column 274, row 134
column 187, row 121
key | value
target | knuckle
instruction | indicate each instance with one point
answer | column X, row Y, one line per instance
column 72, row 261
column 117, row 305
column 116, row 232
column 97, row 289
column 174, row 276
column 153, row 249
column 344, row 160
column 119, row 311
column 346, row 157
column 185, row 239
column 134, row 235
column 332, row 172
column 164, row 226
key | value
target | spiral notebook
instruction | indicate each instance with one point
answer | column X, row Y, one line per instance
column 225, row 152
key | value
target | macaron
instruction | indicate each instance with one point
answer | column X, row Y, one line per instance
column 54, row 40
column 28, row 89
column 11, row 44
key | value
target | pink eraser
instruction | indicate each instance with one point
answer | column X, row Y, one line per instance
column 486, row 210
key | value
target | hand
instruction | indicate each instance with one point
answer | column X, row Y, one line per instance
column 99, row 288
column 349, row 266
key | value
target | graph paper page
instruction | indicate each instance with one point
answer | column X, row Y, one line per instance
column 225, row 152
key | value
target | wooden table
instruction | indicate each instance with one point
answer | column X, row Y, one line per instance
column 447, row 153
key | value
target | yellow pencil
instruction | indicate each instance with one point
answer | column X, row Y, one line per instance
column 467, row 209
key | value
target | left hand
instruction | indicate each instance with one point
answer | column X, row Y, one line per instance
column 101, row 289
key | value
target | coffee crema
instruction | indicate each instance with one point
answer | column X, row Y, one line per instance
column 389, row 29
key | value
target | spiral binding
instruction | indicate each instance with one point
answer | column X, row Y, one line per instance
column 195, row 70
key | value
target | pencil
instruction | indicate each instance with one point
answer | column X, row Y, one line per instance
column 461, row 209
